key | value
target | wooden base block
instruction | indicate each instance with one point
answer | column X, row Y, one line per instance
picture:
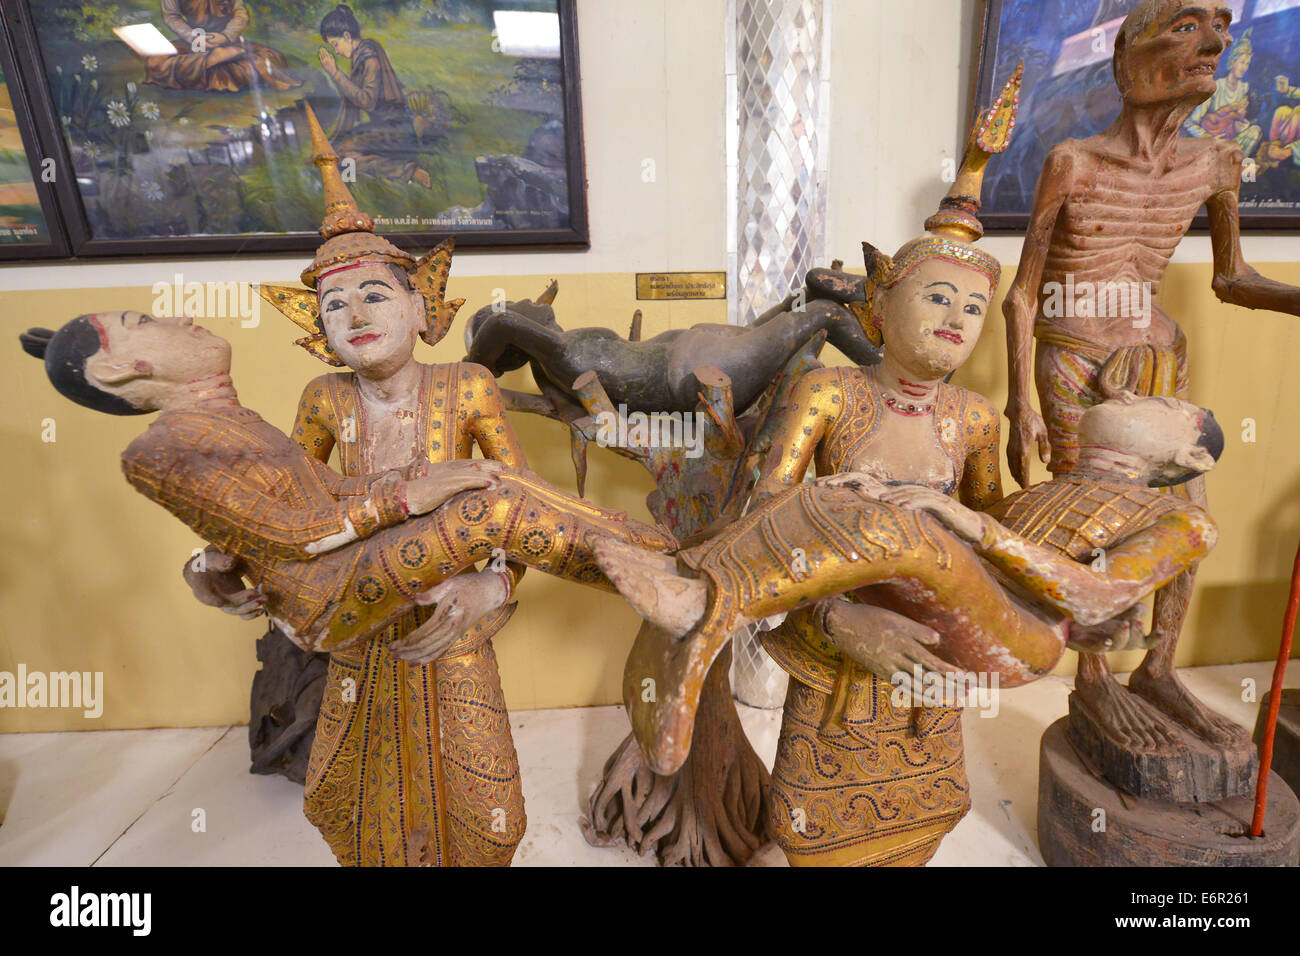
column 1196, row 772
column 1074, row 804
column 1286, row 742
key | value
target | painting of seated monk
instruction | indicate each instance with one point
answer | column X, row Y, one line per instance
column 211, row 52
column 375, row 129
column 185, row 120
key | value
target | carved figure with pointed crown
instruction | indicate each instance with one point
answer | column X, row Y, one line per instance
column 843, row 743
column 413, row 754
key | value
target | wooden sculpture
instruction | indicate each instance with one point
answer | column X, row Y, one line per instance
column 713, row 809
column 1109, row 212
column 340, row 561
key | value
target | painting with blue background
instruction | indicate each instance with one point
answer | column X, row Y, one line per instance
column 1258, row 106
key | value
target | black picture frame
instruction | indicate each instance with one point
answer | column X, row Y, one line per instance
column 83, row 243
column 57, row 244
column 1028, row 149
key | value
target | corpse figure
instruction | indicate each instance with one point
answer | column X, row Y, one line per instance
column 1109, row 212
column 339, row 560
column 1002, row 591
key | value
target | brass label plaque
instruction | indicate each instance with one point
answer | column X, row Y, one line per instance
column 681, row 285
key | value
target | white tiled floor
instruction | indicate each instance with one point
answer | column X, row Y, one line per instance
column 128, row 798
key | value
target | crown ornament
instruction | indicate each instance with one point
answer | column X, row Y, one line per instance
column 350, row 240
column 953, row 230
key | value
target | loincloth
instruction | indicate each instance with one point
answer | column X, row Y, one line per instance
column 1074, row 374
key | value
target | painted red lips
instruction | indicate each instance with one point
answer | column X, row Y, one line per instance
column 951, row 336
column 363, row 339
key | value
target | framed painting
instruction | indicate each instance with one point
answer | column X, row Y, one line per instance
column 1069, row 93
column 30, row 227
column 184, row 120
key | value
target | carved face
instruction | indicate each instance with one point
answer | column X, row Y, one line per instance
column 1175, row 53
column 931, row 320
column 146, row 355
column 371, row 319
column 1175, row 438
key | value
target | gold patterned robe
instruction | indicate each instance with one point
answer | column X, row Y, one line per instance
column 858, row 781
column 414, row 763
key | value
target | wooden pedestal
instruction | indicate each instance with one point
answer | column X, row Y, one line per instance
column 1074, row 804
column 1197, row 772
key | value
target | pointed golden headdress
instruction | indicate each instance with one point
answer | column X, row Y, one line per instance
column 951, row 233
column 349, row 233
column 350, row 240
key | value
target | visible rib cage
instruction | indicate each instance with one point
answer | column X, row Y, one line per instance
column 1118, row 229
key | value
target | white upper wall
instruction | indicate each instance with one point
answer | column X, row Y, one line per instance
column 653, row 89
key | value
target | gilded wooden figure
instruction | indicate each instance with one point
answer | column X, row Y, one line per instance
column 341, row 561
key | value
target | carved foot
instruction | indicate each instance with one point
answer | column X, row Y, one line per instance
column 650, row 583
column 1167, row 694
column 1131, row 723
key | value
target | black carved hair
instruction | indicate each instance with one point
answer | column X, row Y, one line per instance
column 65, row 353
column 1211, row 439
column 1211, row 435
column 339, row 21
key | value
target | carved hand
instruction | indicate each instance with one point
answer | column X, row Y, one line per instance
column 1124, row 631
column 962, row 521
column 889, row 645
column 215, row 581
column 461, row 602
column 448, row 479
column 869, row 486
column 1027, row 431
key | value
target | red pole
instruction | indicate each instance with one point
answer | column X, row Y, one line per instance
column 1275, row 702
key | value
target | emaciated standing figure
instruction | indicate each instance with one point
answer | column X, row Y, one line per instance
column 1108, row 214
